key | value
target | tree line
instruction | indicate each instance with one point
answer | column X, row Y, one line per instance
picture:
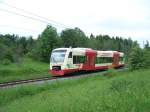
column 14, row 47
column 50, row 39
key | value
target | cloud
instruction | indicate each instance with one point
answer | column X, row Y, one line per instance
column 127, row 18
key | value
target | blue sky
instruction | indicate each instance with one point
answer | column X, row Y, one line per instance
column 126, row 18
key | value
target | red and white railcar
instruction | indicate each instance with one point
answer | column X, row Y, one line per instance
column 69, row 60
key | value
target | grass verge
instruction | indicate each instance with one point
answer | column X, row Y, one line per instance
column 26, row 70
column 125, row 92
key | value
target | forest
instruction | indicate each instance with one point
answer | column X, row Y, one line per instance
column 13, row 47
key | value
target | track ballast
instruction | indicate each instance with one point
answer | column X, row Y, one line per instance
column 19, row 82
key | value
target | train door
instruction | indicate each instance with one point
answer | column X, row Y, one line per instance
column 90, row 60
column 116, row 59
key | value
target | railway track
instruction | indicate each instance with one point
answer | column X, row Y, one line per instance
column 17, row 82
column 38, row 80
column 43, row 79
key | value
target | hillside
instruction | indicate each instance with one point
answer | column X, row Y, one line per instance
column 120, row 92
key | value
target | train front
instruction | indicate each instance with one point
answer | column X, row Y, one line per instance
column 57, row 61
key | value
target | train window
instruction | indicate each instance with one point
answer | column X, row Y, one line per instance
column 97, row 60
column 70, row 55
column 104, row 60
column 78, row 59
column 82, row 59
column 75, row 59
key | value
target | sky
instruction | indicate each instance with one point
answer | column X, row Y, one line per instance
column 125, row 18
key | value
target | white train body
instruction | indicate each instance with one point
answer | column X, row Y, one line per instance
column 68, row 60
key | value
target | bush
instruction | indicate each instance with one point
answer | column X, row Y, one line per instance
column 139, row 58
column 146, row 58
column 111, row 72
column 6, row 62
column 136, row 58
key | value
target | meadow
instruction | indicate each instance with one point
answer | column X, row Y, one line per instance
column 111, row 92
column 26, row 69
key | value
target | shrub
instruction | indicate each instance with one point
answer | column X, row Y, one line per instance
column 6, row 62
column 139, row 58
column 111, row 72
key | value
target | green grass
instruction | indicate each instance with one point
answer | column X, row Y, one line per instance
column 25, row 70
column 122, row 92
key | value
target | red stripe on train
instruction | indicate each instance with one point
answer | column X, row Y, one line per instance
column 68, row 71
column 62, row 72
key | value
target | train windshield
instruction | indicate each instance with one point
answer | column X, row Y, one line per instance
column 58, row 56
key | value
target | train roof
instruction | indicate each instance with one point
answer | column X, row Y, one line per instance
column 61, row 49
column 81, row 51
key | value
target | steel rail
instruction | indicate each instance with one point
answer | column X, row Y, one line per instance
column 19, row 82
column 12, row 83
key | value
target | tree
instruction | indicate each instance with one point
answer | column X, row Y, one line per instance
column 147, row 46
column 2, row 50
column 92, row 42
column 136, row 60
column 139, row 58
column 30, row 44
column 46, row 42
column 73, row 37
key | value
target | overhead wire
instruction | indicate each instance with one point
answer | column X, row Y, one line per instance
column 29, row 17
column 36, row 15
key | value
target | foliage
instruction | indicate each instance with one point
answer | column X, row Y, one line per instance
column 73, row 37
column 139, row 58
column 136, row 60
column 46, row 42
column 147, row 46
column 13, row 47
column 6, row 62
